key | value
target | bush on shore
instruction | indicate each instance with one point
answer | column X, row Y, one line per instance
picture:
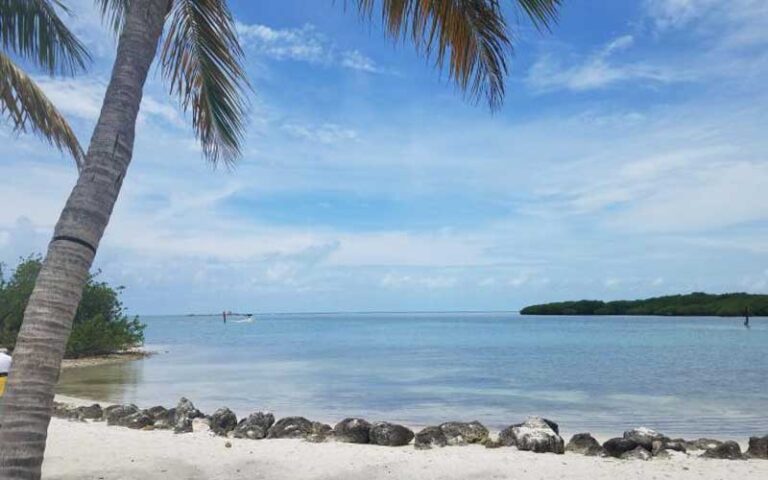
column 100, row 326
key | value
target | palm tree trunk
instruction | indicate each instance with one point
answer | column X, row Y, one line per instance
column 28, row 400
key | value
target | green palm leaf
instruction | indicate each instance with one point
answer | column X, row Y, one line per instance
column 24, row 104
column 33, row 30
column 470, row 34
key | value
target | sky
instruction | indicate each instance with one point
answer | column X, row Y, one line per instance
column 629, row 160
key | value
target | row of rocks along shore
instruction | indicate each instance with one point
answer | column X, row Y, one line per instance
column 535, row 434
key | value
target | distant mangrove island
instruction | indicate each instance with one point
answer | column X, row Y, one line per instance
column 693, row 304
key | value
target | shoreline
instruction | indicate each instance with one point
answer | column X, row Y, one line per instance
column 107, row 359
column 119, row 453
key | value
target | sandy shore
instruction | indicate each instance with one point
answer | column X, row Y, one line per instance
column 94, row 451
column 127, row 356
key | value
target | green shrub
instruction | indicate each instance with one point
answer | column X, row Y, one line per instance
column 100, row 325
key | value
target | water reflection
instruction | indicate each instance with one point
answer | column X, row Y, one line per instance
column 106, row 383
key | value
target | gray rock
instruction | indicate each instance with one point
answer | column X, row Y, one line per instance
column 644, row 437
column 185, row 413
column 430, row 437
column 638, row 453
column 585, row 444
column 290, row 427
column 507, row 436
column 390, row 434
column 255, row 426
column 493, row 443
column 163, row 417
column 352, row 430
column 92, row 412
column 726, row 451
column 536, row 435
column 115, row 414
column 702, row 444
column 321, row 432
column 223, row 421
column 659, row 446
column 758, row 447
column 462, row 433
column 616, row 447
column 137, row 421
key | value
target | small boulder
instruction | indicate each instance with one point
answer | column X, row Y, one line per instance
column 352, row 430
column 390, row 434
column 201, row 425
column 290, row 427
column 462, row 433
column 61, row 410
column 92, row 412
column 255, row 426
column 758, row 447
column 116, row 413
column 223, row 421
column 185, row 413
column 659, row 446
column 163, row 417
column 507, row 436
column 702, row 444
column 637, row 453
column 644, row 437
column 492, row 443
column 537, row 435
column 616, row 447
column 726, row 451
column 137, row 421
column 430, row 437
column 585, row 444
column 320, row 433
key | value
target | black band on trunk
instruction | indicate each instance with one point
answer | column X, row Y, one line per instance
column 75, row 240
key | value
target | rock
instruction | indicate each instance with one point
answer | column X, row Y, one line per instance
column 461, row 433
column 223, row 421
column 290, row 427
column 644, row 437
column 61, row 410
column 758, row 447
column 352, row 430
column 536, row 435
column 228, row 445
column 185, row 413
column 507, row 436
column 585, row 444
column 320, row 433
column 115, row 414
column 702, row 444
column 390, row 434
column 92, row 412
column 136, row 421
column 201, row 425
column 493, row 443
column 164, row 418
column 659, row 446
column 637, row 453
column 255, row 426
column 616, row 447
column 430, row 437
column 726, row 451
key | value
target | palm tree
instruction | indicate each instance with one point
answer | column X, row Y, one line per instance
column 201, row 60
column 33, row 31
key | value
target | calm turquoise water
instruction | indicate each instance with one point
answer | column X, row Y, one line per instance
column 686, row 376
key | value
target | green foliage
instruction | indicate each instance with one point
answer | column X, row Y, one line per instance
column 100, row 324
column 693, row 304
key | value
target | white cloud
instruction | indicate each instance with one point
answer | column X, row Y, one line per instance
column 596, row 71
column 305, row 44
column 327, row 133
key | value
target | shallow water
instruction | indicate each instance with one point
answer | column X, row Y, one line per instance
column 683, row 376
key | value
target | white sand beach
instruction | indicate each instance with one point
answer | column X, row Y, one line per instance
column 78, row 450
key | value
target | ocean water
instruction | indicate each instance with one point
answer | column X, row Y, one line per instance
column 682, row 376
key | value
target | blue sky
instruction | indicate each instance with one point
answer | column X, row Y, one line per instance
column 629, row 160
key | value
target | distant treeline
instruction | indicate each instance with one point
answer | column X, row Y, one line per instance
column 694, row 304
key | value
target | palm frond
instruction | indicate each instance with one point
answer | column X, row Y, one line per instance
column 202, row 62
column 113, row 12
column 33, row 30
column 25, row 105
column 470, row 34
